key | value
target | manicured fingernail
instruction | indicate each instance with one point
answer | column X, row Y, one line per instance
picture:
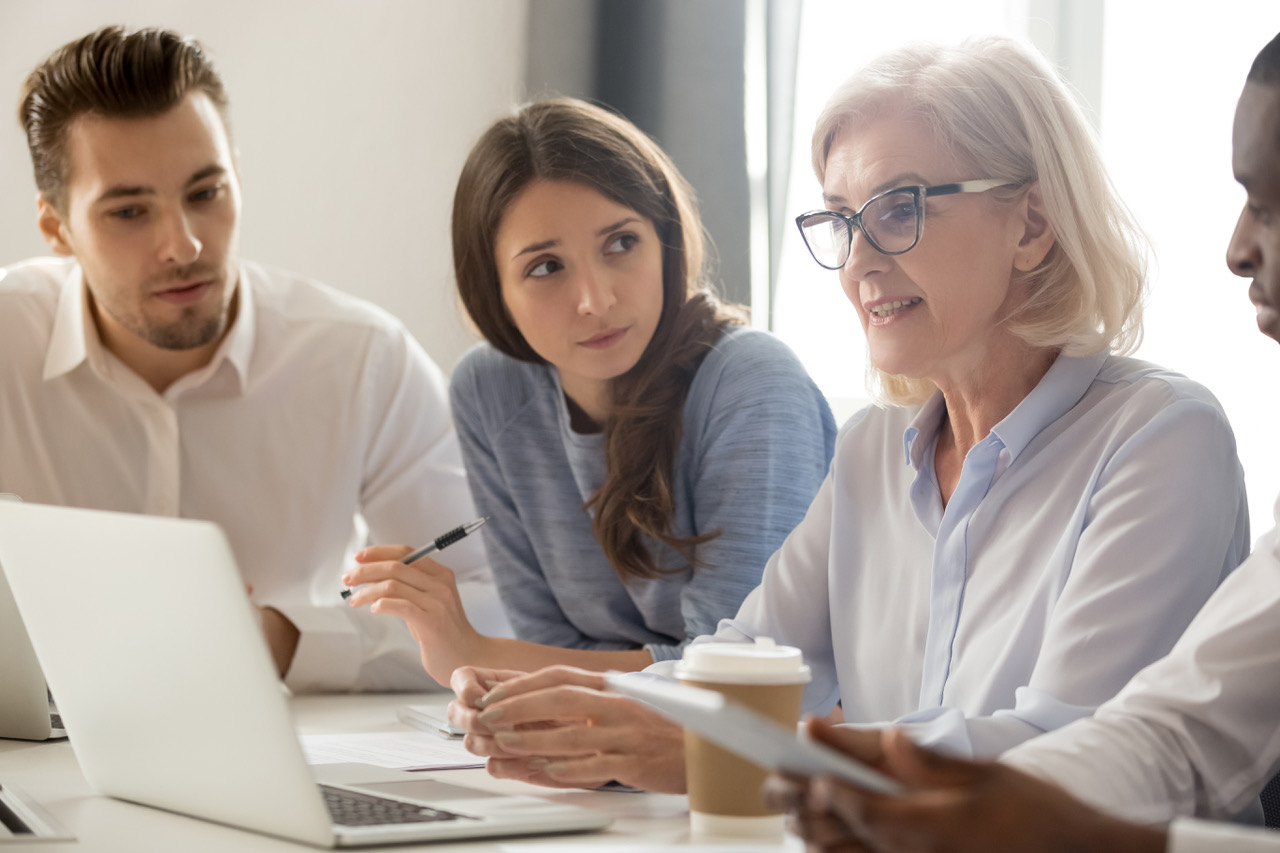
column 489, row 716
column 346, row 580
column 536, row 764
column 507, row 738
column 491, row 683
column 495, row 695
column 554, row 769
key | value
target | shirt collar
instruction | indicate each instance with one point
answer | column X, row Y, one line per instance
column 75, row 337
column 237, row 346
column 926, row 424
column 1057, row 392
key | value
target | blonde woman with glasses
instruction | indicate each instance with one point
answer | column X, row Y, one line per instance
column 1029, row 516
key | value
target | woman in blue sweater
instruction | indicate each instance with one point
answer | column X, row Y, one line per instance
column 638, row 452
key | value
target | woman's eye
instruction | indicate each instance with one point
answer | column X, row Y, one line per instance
column 622, row 243
column 905, row 212
column 544, row 269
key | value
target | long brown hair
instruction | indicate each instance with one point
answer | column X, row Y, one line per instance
column 570, row 140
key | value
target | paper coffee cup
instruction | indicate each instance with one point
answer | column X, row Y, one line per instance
column 725, row 796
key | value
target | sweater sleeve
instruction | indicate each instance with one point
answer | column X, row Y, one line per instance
column 526, row 592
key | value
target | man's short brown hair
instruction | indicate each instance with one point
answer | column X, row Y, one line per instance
column 115, row 73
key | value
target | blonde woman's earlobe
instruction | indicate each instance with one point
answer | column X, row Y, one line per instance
column 1038, row 235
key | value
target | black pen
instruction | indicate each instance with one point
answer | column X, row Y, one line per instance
column 444, row 540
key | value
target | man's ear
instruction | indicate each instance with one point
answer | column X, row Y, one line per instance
column 1038, row 236
column 51, row 226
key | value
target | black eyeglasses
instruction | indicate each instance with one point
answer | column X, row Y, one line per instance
column 892, row 222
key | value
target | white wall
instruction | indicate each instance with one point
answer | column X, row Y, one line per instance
column 352, row 119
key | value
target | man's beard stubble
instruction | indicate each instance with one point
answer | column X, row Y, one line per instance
column 183, row 335
column 191, row 330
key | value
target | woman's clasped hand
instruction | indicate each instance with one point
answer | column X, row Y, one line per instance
column 558, row 727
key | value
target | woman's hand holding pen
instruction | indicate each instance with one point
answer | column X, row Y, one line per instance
column 425, row 596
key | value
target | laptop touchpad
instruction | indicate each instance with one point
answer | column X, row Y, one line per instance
column 427, row 790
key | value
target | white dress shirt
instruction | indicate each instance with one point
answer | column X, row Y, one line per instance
column 1188, row 835
column 1084, row 534
column 318, row 416
column 1197, row 733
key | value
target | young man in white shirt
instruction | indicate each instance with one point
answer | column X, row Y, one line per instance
column 1196, row 733
column 153, row 370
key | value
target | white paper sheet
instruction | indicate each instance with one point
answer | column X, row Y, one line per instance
column 396, row 750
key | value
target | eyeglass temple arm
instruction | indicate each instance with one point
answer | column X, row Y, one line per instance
column 968, row 187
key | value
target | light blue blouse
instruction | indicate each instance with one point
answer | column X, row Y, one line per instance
column 1086, row 531
column 756, row 440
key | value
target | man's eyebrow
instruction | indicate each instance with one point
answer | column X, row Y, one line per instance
column 127, row 191
column 210, row 171
column 121, row 191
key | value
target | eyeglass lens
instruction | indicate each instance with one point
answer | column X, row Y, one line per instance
column 891, row 223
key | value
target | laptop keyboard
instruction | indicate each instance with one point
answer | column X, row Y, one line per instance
column 348, row 808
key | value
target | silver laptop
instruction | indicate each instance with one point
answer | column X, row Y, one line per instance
column 26, row 711
column 171, row 699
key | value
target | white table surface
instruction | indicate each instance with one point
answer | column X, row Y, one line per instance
column 49, row 774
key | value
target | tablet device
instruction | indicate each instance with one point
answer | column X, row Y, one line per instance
column 743, row 732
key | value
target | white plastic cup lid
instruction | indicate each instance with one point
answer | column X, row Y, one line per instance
column 761, row 662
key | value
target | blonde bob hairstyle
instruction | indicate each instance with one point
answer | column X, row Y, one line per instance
column 1002, row 110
